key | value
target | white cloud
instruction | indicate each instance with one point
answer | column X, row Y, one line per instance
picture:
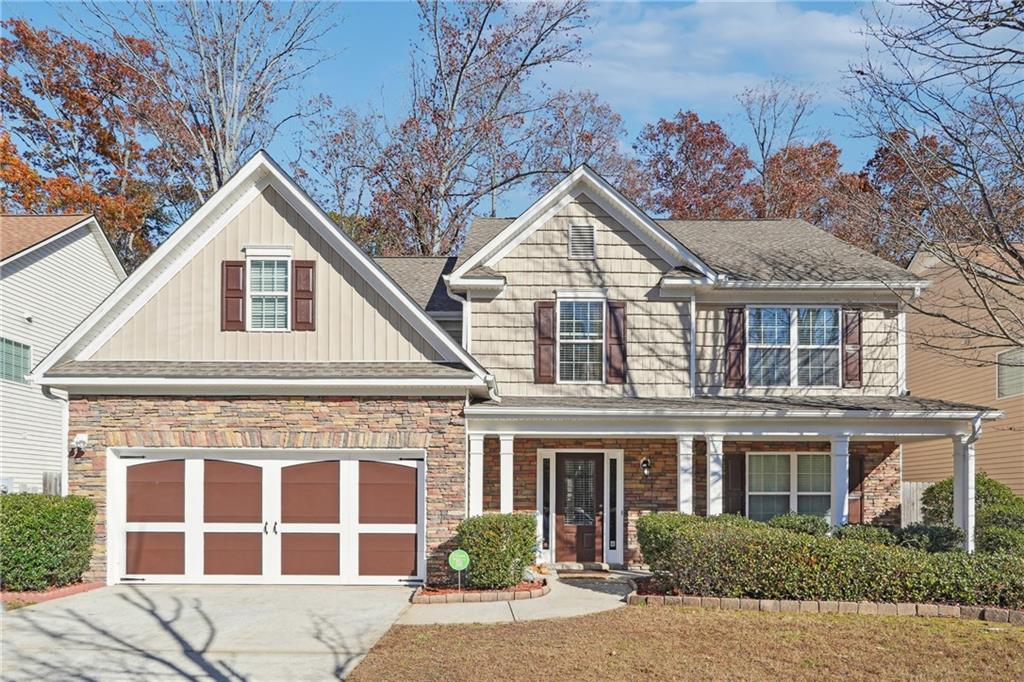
column 646, row 56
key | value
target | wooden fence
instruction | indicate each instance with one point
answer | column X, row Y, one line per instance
column 911, row 502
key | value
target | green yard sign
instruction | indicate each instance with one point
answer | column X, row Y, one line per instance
column 458, row 560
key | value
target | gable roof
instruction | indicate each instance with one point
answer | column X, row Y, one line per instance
column 23, row 233
column 420, row 276
column 786, row 250
column 248, row 182
column 580, row 181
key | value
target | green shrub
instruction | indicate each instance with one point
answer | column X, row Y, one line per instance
column 45, row 540
column 1001, row 515
column 768, row 563
column 999, row 539
column 937, row 499
column 500, row 546
column 875, row 535
column 800, row 523
column 930, row 538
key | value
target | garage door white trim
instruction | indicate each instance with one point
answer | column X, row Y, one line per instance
column 120, row 459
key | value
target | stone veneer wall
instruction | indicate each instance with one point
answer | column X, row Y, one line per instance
column 435, row 424
column 658, row 493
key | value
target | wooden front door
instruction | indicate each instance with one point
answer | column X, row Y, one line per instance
column 579, row 507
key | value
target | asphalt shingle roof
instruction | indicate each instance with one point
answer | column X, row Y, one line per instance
column 20, row 232
column 420, row 276
column 259, row 370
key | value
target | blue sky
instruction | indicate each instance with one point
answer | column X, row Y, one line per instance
column 648, row 60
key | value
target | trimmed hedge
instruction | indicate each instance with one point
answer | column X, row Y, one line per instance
column 766, row 563
column 45, row 540
column 930, row 538
column 937, row 499
column 875, row 535
column 1003, row 515
column 999, row 539
column 801, row 523
column 500, row 547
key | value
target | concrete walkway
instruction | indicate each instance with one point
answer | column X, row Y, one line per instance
column 568, row 597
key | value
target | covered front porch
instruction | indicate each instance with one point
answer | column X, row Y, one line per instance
column 589, row 473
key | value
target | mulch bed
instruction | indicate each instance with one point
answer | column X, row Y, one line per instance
column 35, row 597
column 521, row 587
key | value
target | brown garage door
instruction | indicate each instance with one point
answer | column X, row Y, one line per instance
column 332, row 520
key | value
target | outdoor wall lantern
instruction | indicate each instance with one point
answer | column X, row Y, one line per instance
column 645, row 467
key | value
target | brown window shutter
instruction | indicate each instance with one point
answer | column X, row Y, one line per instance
column 544, row 342
column 734, row 483
column 735, row 348
column 615, row 371
column 852, row 354
column 856, row 489
column 303, row 305
column 232, row 296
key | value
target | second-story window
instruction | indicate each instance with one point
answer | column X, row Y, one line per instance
column 268, row 294
column 793, row 346
column 581, row 341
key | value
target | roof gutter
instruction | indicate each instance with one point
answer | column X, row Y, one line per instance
column 973, row 415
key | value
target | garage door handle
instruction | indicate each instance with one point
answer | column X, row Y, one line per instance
column 275, row 527
column 264, row 527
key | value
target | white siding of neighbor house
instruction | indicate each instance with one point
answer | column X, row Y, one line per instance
column 657, row 338
column 354, row 323
column 56, row 286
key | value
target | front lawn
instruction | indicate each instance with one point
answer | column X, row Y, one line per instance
column 673, row 643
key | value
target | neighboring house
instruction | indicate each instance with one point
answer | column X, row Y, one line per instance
column 54, row 270
column 988, row 377
column 265, row 403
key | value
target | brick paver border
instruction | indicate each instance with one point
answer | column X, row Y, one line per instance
column 866, row 608
column 421, row 597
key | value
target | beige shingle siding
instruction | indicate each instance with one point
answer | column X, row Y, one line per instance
column 657, row 330
column 182, row 321
column 880, row 353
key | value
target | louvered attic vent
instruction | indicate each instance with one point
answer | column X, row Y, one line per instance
column 581, row 241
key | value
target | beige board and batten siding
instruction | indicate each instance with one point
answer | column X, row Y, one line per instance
column 44, row 295
column 879, row 334
column 657, row 336
column 182, row 321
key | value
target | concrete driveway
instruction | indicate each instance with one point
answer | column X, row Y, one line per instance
column 273, row 632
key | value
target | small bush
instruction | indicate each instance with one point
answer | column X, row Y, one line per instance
column 45, row 540
column 500, row 547
column 999, row 539
column 1001, row 515
column 930, row 538
column 801, row 523
column 875, row 535
column 768, row 563
column 937, row 499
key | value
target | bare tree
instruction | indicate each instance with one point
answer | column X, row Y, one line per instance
column 945, row 94
column 469, row 132
column 226, row 66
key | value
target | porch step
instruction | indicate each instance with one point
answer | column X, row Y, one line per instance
column 567, row 566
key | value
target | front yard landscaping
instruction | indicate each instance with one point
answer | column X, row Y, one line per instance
column 671, row 643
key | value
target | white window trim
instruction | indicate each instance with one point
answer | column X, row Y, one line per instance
column 268, row 252
column 24, row 379
column 794, row 344
column 249, row 294
column 593, row 240
column 558, row 337
column 999, row 395
column 794, row 493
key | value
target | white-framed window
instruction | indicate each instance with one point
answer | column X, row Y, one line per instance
column 15, row 360
column 781, row 483
column 1010, row 373
column 269, row 293
column 582, row 242
column 581, row 341
column 793, row 346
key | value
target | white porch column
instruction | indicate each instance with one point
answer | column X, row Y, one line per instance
column 476, row 475
column 714, row 473
column 963, row 488
column 840, row 480
column 507, row 443
column 684, row 474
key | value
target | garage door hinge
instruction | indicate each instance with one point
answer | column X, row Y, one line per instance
column 133, row 580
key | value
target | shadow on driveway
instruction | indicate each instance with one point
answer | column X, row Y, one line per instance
column 199, row 632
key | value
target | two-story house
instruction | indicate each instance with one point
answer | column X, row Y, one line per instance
column 266, row 403
column 54, row 270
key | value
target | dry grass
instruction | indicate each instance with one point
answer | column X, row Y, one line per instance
column 675, row 643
